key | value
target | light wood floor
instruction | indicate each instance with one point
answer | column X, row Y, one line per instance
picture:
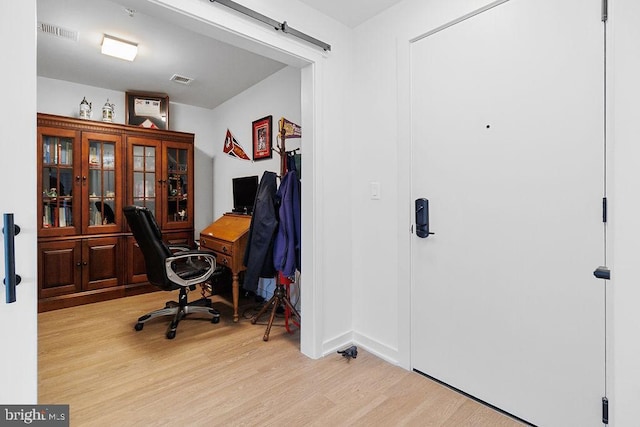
column 225, row 375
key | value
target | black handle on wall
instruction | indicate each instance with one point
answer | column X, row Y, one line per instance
column 422, row 218
column 11, row 279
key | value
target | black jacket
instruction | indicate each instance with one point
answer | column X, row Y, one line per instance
column 258, row 257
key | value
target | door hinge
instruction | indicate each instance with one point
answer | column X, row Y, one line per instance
column 605, row 410
column 605, row 10
column 604, row 209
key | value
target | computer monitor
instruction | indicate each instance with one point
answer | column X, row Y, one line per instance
column 244, row 193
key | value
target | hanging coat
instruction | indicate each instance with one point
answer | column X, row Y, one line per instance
column 258, row 257
column 286, row 248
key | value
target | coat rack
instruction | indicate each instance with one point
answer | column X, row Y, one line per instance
column 281, row 294
column 286, row 129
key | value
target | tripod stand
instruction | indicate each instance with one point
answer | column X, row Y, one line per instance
column 280, row 297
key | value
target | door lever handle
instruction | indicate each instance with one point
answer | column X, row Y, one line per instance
column 422, row 218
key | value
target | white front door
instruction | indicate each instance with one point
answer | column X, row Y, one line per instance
column 18, row 320
column 507, row 146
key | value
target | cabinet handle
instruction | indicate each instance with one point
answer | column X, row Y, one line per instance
column 225, row 261
column 203, row 242
column 224, row 249
column 84, row 263
column 78, row 264
column 77, row 178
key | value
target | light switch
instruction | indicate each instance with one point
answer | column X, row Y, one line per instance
column 375, row 190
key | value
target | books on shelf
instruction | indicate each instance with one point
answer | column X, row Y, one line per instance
column 66, row 153
column 47, row 152
column 61, row 216
column 46, row 218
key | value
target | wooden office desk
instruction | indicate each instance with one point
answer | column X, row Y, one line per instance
column 228, row 237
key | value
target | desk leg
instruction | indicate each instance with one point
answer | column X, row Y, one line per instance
column 235, row 288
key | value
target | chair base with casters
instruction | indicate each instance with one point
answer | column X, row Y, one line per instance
column 178, row 310
column 280, row 297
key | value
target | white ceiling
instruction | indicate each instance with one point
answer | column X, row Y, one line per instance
column 220, row 71
column 351, row 12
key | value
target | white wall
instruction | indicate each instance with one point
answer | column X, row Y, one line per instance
column 278, row 96
column 63, row 98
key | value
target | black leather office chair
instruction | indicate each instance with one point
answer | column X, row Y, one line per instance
column 169, row 271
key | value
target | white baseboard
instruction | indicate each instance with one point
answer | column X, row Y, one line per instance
column 362, row 341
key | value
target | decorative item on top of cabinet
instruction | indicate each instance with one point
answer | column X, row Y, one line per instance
column 147, row 110
column 85, row 109
column 108, row 112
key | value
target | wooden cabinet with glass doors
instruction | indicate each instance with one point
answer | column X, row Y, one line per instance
column 161, row 177
column 88, row 171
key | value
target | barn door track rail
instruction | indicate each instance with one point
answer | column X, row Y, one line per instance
column 284, row 27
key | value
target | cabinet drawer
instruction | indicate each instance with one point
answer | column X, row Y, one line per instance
column 224, row 260
column 224, row 248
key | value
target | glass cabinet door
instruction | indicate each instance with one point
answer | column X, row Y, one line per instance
column 57, row 182
column 177, row 185
column 144, row 173
column 58, row 207
column 101, row 182
column 159, row 177
column 144, row 176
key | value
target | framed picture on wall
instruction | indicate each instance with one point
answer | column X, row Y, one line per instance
column 148, row 110
column 262, row 142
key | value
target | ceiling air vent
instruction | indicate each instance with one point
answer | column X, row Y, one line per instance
column 181, row 79
column 57, row 31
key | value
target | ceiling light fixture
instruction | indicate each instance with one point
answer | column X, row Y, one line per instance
column 119, row 48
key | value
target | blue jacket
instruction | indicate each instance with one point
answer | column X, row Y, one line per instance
column 286, row 247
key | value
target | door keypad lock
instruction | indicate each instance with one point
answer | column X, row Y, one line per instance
column 422, row 218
